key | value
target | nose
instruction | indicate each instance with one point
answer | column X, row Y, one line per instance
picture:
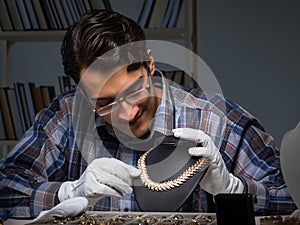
column 127, row 111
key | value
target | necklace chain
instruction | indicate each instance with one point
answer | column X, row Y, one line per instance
column 167, row 185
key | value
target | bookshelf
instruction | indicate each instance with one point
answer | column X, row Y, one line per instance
column 188, row 33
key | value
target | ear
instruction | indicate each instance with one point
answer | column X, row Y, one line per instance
column 151, row 63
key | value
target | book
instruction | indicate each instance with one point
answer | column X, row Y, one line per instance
column 97, row 4
column 161, row 13
column 73, row 9
column 175, row 13
column 45, row 95
column 179, row 22
column 41, row 18
column 157, row 13
column 145, row 12
column 37, row 99
column 75, row 6
column 48, row 93
column 51, row 91
column 80, row 6
column 61, row 14
column 67, row 11
column 87, row 5
column 56, row 17
column 5, row 21
column 20, row 106
column 2, row 129
column 14, row 15
column 23, row 14
column 8, row 125
column 154, row 13
column 15, row 113
column 20, row 92
column 168, row 13
column 29, row 99
column 107, row 4
column 49, row 16
column 31, row 14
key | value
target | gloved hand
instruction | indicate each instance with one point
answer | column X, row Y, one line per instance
column 103, row 177
column 217, row 178
column 70, row 207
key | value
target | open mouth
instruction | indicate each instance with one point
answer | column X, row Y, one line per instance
column 136, row 120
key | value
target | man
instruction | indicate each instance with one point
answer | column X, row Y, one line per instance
column 88, row 141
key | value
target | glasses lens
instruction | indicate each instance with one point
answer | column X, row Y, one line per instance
column 134, row 93
column 134, row 97
column 107, row 109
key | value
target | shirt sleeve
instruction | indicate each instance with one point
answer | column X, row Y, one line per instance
column 31, row 174
column 258, row 165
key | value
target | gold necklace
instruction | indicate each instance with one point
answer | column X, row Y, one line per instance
column 167, row 185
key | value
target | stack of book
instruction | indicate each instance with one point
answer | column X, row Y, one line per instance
column 160, row 13
column 21, row 15
column 19, row 105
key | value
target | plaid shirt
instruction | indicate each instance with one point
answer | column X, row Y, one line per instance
column 67, row 136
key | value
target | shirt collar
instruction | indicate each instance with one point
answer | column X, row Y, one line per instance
column 165, row 114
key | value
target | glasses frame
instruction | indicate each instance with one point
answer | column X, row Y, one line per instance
column 113, row 106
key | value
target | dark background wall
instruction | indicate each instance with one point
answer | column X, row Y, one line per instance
column 252, row 47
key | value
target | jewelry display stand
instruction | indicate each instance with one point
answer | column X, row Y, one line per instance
column 169, row 162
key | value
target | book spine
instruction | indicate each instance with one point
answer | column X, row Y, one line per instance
column 9, row 128
column 14, row 15
column 14, row 111
column 20, row 106
column 5, row 20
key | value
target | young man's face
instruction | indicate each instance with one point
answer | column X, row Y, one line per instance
column 127, row 100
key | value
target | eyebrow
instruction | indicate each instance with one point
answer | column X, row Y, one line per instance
column 107, row 98
column 102, row 98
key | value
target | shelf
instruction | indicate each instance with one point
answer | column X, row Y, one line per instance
column 32, row 36
column 57, row 35
column 8, row 142
column 165, row 34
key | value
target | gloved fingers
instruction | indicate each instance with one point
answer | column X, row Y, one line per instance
column 115, row 167
column 191, row 134
column 112, row 181
column 91, row 186
column 201, row 151
column 185, row 133
column 134, row 172
column 119, row 166
column 99, row 190
column 69, row 207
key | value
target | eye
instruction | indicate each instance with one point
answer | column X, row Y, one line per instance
column 104, row 102
column 135, row 86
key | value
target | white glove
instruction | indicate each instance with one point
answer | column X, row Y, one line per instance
column 103, row 177
column 70, row 207
column 217, row 178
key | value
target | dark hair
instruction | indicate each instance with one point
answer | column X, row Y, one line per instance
column 97, row 32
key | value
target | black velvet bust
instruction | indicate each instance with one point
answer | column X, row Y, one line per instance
column 166, row 162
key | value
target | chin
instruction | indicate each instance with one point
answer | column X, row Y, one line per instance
column 140, row 133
